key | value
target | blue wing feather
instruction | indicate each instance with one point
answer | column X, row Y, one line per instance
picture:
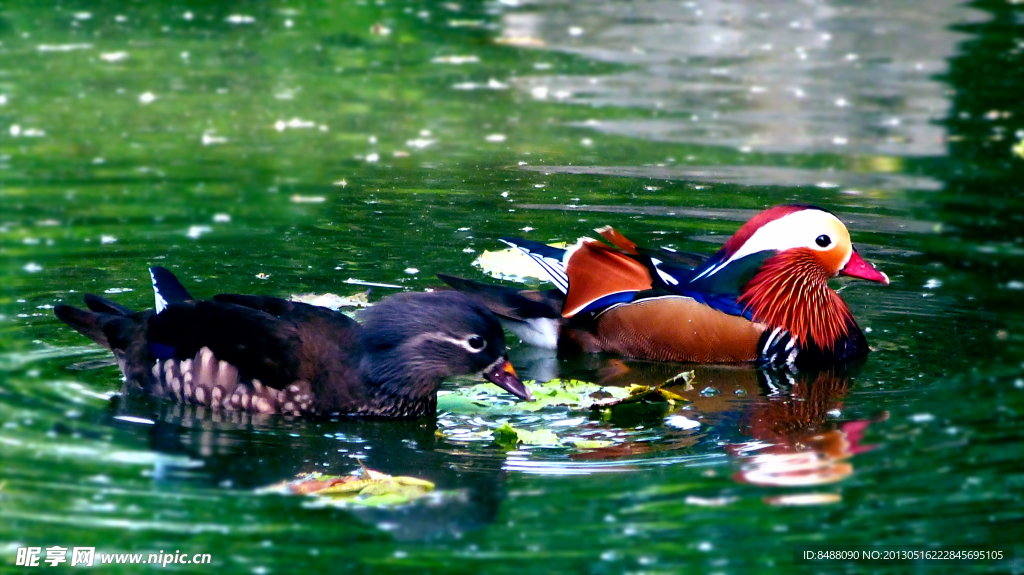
column 717, row 290
column 609, row 300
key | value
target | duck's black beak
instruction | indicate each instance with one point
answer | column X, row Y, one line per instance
column 504, row 376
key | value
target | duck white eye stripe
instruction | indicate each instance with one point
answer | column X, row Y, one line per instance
column 441, row 336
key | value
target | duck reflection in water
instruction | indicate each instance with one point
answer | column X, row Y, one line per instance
column 248, row 451
column 797, row 436
column 784, row 428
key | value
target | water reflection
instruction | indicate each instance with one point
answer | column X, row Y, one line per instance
column 777, row 429
column 758, row 76
column 860, row 92
column 783, row 429
column 244, row 451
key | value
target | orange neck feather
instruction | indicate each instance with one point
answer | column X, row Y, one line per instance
column 791, row 291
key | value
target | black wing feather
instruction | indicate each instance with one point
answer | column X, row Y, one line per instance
column 260, row 345
column 511, row 303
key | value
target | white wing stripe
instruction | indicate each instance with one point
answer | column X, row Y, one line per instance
column 554, row 268
column 161, row 303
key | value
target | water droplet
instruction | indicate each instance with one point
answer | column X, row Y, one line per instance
column 709, row 392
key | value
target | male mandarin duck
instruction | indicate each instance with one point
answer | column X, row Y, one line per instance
column 268, row 355
column 764, row 297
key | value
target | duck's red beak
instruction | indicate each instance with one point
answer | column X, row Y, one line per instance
column 858, row 268
column 504, row 376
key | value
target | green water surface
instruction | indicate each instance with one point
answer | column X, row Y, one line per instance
column 284, row 147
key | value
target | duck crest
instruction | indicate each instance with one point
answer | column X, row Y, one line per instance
column 791, row 291
column 757, row 222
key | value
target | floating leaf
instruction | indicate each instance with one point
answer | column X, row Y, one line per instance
column 512, row 436
column 591, row 443
column 370, row 488
column 333, row 301
column 511, row 264
column 572, row 394
column 568, row 393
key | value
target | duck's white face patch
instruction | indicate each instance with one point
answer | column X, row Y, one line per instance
column 797, row 230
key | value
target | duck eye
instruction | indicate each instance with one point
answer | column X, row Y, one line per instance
column 823, row 241
column 476, row 342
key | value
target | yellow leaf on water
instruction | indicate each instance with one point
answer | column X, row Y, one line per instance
column 512, row 264
column 370, row 488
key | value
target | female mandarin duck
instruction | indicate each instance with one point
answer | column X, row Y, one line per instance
column 268, row 355
column 764, row 297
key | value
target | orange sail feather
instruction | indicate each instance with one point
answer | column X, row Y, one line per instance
column 596, row 270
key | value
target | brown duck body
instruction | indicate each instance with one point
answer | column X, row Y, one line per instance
column 679, row 329
column 266, row 355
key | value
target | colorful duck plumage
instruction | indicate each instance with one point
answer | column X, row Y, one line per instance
column 762, row 297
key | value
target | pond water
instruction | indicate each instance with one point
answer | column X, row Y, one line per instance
column 287, row 147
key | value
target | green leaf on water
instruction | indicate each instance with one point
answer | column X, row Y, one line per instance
column 573, row 394
column 512, row 436
column 591, row 443
column 569, row 393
